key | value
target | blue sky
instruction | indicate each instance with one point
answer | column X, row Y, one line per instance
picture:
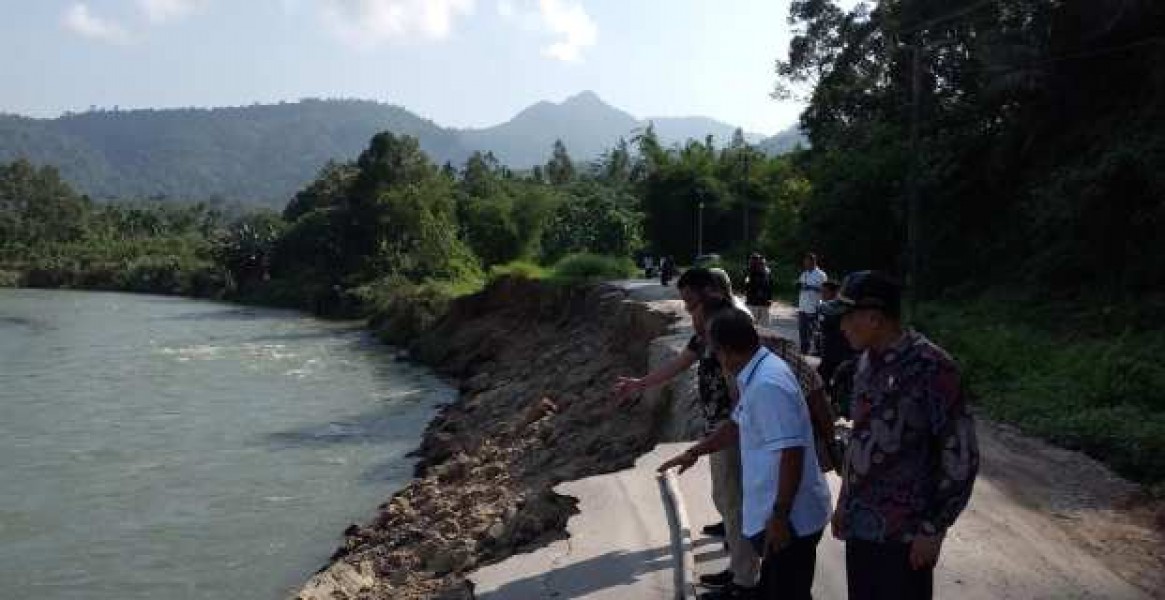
column 465, row 63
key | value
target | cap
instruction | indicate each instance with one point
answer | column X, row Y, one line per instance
column 870, row 289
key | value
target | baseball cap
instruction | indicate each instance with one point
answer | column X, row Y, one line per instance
column 870, row 289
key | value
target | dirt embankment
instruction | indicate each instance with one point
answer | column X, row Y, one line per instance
column 535, row 364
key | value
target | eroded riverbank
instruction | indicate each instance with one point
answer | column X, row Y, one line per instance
column 536, row 362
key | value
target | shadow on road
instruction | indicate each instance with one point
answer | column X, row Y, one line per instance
column 610, row 570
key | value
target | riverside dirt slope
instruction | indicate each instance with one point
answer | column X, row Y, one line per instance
column 535, row 363
column 1043, row 523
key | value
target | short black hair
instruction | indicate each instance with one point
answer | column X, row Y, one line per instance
column 733, row 331
column 697, row 278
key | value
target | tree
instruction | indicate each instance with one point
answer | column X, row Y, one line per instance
column 595, row 219
column 37, row 207
column 247, row 247
column 560, row 169
column 330, row 188
column 615, row 165
column 989, row 131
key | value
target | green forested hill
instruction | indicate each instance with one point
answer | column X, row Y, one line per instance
column 259, row 153
column 265, row 153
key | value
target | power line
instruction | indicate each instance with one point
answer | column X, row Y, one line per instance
column 1087, row 54
column 947, row 17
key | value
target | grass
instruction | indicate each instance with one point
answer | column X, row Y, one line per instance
column 519, row 268
column 581, row 268
column 1083, row 376
column 398, row 311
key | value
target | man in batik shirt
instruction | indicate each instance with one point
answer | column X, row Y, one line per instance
column 913, row 456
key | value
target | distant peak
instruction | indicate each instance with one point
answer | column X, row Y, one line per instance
column 585, row 97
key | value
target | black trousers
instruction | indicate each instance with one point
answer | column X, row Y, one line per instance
column 806, row 325
column 787, row 573
column 877, row 571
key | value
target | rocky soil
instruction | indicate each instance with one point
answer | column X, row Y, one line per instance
column 535, row 363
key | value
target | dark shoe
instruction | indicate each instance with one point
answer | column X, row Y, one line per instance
column 720, row 579
column 730, row 592
column 716, row 530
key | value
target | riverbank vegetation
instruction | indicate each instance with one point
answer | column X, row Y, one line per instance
column 392, row 230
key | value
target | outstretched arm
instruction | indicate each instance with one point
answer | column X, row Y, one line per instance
column 724, row 437
column 625, row 387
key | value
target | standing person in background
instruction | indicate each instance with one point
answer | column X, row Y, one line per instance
column 913, row 456
column 834, row 349
column 758, row 289
column 809, row 297
column 667, row 270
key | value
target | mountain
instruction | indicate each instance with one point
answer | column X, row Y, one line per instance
column 256, row 153
column 680, row 129
column 265, row 153
column 585, row 123
column 784, row 141
column 588, row 126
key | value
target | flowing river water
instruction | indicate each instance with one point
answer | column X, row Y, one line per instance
column 157, row 447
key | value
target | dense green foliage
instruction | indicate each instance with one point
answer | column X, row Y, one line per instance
column 393, row 225
column 1040, row 135
column 50, row 236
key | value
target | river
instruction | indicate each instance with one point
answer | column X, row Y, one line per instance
column 157, row 447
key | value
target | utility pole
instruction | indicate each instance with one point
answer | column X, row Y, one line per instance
column 913, row 260
column 700, row 227
column 745, row 201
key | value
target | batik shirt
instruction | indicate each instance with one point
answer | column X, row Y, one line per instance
column 913, row 456
column 712, row 389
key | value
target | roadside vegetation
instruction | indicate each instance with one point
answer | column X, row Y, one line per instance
column 1086, row 376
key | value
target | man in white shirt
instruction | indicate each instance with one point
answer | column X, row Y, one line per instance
column 809, row 297
column 786, row 499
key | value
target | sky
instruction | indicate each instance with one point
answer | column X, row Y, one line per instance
column 461, row 63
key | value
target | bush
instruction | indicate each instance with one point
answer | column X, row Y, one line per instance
column 399, row 311
column 593, row 267
column 1102, row 392
column 518, row 268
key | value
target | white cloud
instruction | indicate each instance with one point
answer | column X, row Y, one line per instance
column 369, row 23
column 506, row 9
column 570, row 21
column 566, row 20
column 160, row 11
column 79, row 20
